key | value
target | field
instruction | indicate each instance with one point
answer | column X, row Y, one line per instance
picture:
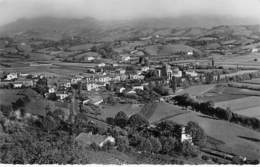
column 253, row 81
column 111, row 111
column 244, row 61
column 237, row 139
column 197, row 90
column 8, row 96
column 248, row 106
column 223, row 93
column 155, row 112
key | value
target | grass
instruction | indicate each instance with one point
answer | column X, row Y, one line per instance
column 155, row 112
column 223, row 93
column 197, row 90
column 226, row 132
column 111, row 111
column 8, row 96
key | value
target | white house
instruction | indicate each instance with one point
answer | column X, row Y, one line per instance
column 62, row 96
column 121, row 90
column 125, row 58
column 138, row 87
column 177, row 73
column 11, row 76
column 51, row 90
column 191, row 73
column 145, row 68
column 254, row 50
column 17, row 85
column 91, row 86
column 109, row 139
column 185, row 136
column 190, row 53
column 90, row 58
column 67, row 85
column 101, row 65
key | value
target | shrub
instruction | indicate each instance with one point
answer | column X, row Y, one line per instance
column 197, row 133
column 121, row 119
column 188, row 150
column 137, row 120
column 145, row 145
column 122, row 143
column 156, row 144
column 168, row 144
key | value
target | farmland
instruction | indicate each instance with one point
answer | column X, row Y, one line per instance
column 234, row 136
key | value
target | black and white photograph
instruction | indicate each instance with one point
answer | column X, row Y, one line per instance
column 130, row 82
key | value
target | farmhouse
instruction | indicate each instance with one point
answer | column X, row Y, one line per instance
column 86, row 139
column 11, row 76
column 185, row 136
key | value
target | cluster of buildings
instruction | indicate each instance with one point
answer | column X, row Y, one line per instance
column 18, row 80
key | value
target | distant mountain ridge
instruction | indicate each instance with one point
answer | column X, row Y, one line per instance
column 90, row 27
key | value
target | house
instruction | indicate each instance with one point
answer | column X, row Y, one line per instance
column 90, row 58
column 190, row 53
column 145, row 68
column 101, row 65
column 185, row 136
column 67, row 85
column 17, row 85
column 121, row 90
column 254, row 50
column 11, row 76
column 125, row 58
column 138, row 87
column 86, row 139
column 177, row 73
column 51, row 90
column 191, row 73
column 91, row 86
column 62, row 95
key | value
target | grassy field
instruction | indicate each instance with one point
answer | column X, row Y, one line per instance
column 155, row 112
column 253, row 81
column 237, row 139
column 8, row 96
column 223, row 93
column 248, row 106
column 196, row 90
column 111, row 111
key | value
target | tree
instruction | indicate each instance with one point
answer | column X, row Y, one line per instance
column 174, row 84
column 137, row 120
column 189, row 150
column 168, row 144
column 197, row 133
column 42, row 86
column 121, row 119
column 52, row 96
column 156, row 144
column 122, row 143
column 145, row 145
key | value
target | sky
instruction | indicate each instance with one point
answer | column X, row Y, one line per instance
column 11, row 10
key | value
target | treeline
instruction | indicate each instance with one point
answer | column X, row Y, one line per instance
column 208, row 108
column 164, row 138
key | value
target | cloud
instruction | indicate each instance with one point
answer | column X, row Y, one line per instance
column 125, row 9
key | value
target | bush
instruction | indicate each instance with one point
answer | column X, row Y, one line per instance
column 188, row 150
column 197, row 133
column 121, row 119
column 145, row 145
column 110, row 121
column 137, row 120
column 122, row 143
column 156, row 144
column 168, row 144
column 205, row 157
